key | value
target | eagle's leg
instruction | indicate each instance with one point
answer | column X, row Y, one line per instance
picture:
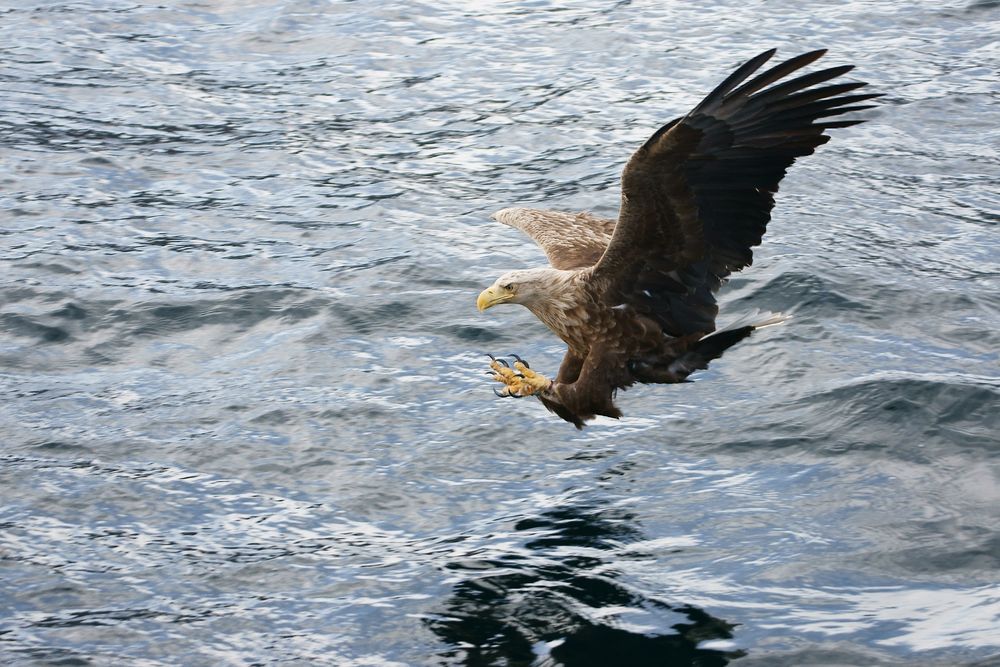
column 519, row 380
column 589, row 386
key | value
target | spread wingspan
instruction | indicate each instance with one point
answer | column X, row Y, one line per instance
column 697, row 196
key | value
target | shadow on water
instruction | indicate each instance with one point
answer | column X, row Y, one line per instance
column 558, row 601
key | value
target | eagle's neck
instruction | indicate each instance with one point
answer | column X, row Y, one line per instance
column 563, row 307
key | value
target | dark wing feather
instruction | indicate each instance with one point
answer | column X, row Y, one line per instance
column 570, row 240
column 697, row 196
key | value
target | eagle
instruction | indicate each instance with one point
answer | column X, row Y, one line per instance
column 634, row 298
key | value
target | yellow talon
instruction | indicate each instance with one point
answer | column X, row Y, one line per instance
column 518, row 381
column 529, row 378
column 502, row 373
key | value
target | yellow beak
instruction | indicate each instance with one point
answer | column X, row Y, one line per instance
column 491, row 296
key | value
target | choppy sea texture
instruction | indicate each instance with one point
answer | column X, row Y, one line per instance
column 241, row 395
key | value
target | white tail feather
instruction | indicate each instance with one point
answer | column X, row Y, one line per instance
column 756, row 319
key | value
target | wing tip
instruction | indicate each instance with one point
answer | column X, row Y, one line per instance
column 506, row 216
column 738, row 76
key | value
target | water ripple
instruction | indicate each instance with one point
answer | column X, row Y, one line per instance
column 242, row 396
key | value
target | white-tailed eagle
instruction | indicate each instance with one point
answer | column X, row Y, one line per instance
column 634, row 298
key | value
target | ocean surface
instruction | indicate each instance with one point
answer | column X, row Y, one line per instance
column 243, row 407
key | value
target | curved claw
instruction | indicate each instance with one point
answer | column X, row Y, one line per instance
column 502, row 362
column 520, row 360
column 499, row 394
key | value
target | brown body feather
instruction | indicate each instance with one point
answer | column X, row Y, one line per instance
column 634, row 299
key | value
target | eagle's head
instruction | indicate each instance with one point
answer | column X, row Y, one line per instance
column 525, row 287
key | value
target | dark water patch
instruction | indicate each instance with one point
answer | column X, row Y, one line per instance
column 972, row 549
column 368, row 319
column 52, row 267
column 18, row 325
column 978, row 5
column 61, row 448
column 903, row 415
column 71, row 311
column 805, row 294
column 559, row 600
column 50, row 656
column 472, row 334
column 242, row 311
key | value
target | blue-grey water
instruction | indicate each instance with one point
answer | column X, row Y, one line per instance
column 243, row 411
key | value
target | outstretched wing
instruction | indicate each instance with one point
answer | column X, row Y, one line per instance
column 570, row 240
column 697, row 196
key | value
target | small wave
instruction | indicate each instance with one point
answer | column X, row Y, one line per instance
column 904, row 414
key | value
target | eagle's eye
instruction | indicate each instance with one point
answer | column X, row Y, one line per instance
column 508, row 287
